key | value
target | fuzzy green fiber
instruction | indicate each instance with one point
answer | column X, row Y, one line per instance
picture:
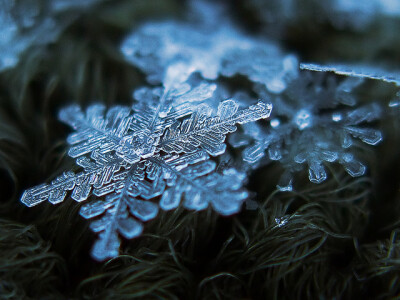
column 341, row 239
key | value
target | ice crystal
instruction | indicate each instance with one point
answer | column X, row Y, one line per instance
column 210, row 48
column 159, row 148
column 360, row 71
column 395, row 103
column 27, row 23
column 282, row 221
column 20, row 25
column 311, row 125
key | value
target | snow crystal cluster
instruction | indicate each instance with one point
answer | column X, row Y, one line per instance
column 315, row 117
column 163, row 151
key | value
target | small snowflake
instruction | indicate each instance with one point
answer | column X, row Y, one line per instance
column 308, row 127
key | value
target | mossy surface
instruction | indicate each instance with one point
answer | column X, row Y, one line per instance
column 341, row 239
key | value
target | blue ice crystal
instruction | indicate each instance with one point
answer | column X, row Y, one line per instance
column 24, row 24
column 209, row 47
column 160, row 153
column 356, row 70
column 157, row 150
column 315, row 121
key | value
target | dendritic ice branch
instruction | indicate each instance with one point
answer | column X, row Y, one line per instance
column 153, row 151
column 356, row 70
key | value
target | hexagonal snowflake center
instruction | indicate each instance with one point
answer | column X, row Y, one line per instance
column 303, row 119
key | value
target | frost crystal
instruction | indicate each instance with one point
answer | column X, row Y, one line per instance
column 159, row 152
column 308, row 127
column 360, row 71
column 209, row 48
column 160, row 148
column 27, row 23
column 282, row 221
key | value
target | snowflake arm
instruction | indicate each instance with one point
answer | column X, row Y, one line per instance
column 95, row 174
column 54, row 192
column 202, row 186
column 95, row 132
column 352, row 70
column 209, row 132
column 121, row 211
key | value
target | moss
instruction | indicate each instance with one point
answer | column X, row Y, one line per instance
column 28, row 268
column 341, row 238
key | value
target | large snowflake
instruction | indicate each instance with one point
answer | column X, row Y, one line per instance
column 156, row 150
column 210, row 45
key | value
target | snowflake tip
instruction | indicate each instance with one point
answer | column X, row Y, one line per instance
column 285, row 183
column 352, row 166
column 316, row 172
